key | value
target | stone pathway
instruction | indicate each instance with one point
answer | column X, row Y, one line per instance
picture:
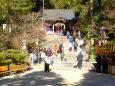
column 76, row 77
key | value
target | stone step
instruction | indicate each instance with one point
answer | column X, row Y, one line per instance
column 57, row 39
column 53, row 39
column 64, row 66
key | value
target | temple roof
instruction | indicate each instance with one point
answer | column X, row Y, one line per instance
column 58, row 13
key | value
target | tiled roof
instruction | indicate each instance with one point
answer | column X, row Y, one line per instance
column 58, row 13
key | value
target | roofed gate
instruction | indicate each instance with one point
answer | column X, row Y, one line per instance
column 59, row 19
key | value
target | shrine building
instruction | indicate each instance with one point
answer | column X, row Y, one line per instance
column 57, row 20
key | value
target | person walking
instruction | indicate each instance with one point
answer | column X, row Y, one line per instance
column 39, row 58
column 74, row 36
column 75, row 46
column 98, row 60
column 31, row 57
column 81, row 43
column 104, row 64
column 42, row 54
column 80, row 59
column 65, row 58
column 62, row 56
column 71, row 39
column 34, row 57
column 79, row 34
column 68, row 34
column 74, row 33
column 70, row 46
column 49, row 52
column 47, row 63
column 75, row 64
column 55, row 49
column 60, row 48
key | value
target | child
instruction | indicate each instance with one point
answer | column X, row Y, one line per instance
column 75, row 64
column 62, row 56
column 70, row 46
column 65, row 58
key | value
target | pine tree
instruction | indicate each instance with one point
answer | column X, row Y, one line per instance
column 10, row 8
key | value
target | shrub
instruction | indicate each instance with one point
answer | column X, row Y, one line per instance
column 13, row 51
column 17, row 58
column 11, row 56
column 7, row 62
column 3, row 58
column 3, row 55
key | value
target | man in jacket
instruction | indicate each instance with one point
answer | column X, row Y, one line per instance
column 80, row 59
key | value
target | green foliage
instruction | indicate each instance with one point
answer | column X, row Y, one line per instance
column 90, row 12
column 3, row 55
column 17, row 58
column 23, row 5
column 13, row 51
column 4, row 60
column 103, row 2
column 11, row 56
column 85, row 33
column 91, row 52
column 111, row 42
column 11, row 8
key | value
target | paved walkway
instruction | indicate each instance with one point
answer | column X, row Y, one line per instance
column 75, row 77
column 60, row 75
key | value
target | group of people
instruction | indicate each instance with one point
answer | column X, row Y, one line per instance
column 58, row 50
column 45, row 55
column 72, row 41
column 73, row 45
column 102, row 63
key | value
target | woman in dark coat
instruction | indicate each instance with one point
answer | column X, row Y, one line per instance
column 98, row 60
column 104, row 65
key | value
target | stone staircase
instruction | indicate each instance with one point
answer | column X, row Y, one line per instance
column 52, row 40
column 66, row 66
column 57, row 39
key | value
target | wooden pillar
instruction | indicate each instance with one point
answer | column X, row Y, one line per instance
column 53, row 28
column 64, row 26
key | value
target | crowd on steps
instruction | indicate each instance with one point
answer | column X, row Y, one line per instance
column 47, row 55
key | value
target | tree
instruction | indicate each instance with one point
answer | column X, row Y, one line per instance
column 93, row 14
column 11, row 8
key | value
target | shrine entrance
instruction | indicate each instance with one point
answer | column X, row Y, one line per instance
column 58, row 25
column 60, row 21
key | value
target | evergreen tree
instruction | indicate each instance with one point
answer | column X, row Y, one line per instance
column 10, row 8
